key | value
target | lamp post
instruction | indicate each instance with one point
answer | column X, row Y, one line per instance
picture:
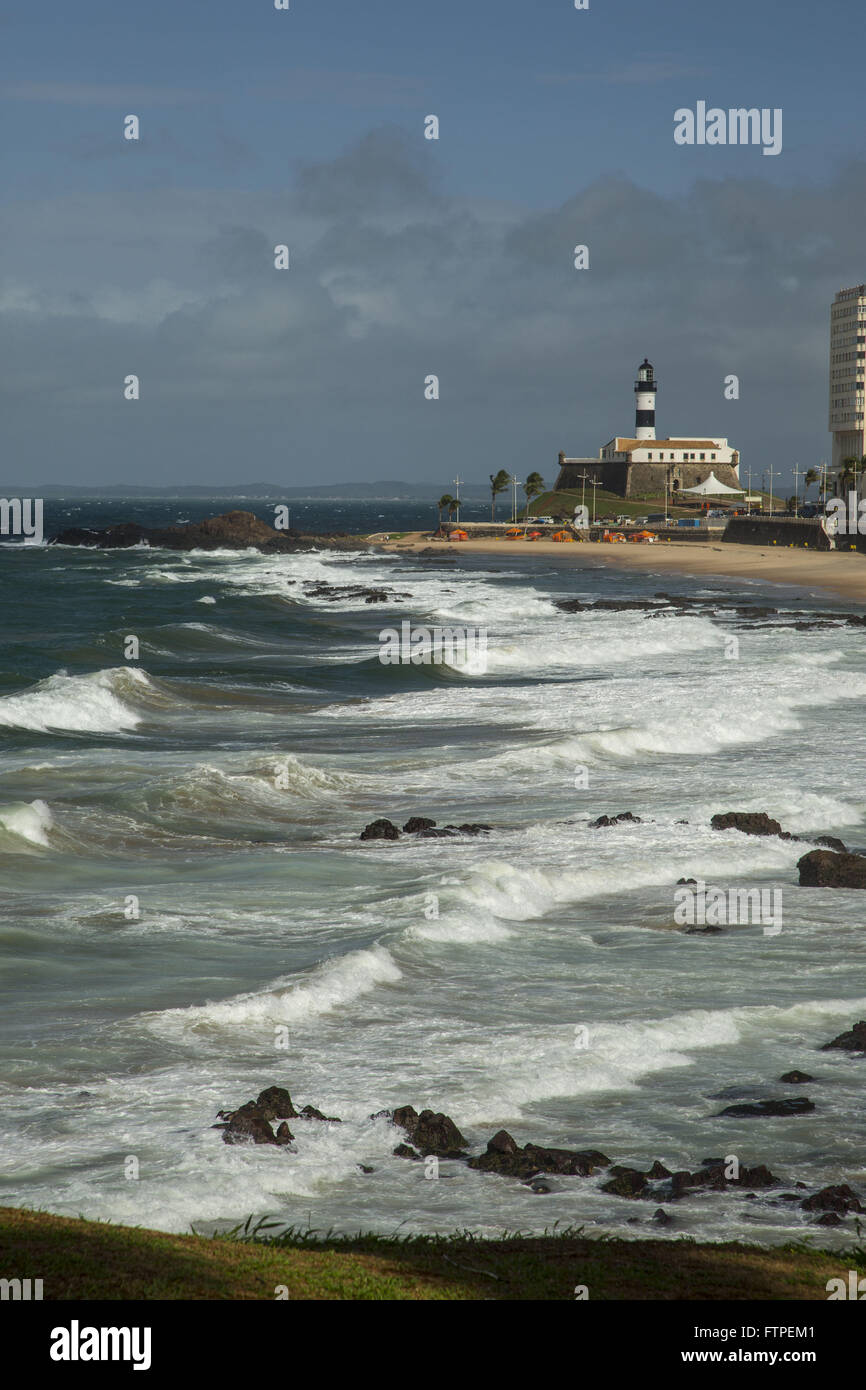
column 797, row 471
column 457, row 481
column 771, row 489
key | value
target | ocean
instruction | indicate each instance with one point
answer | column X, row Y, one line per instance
column 188, row 914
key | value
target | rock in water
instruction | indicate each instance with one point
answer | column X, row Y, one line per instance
column 431, row 1133
column 246, row 1128
column 309, row 1112
column 801, row 1105
column 855, row 1041
column 748, row 822
column 275, row 1104
column 504, row 1156
column 236, row 530
column 626, row 1182
column 840, row 1199
column 822, row 868
column 381, row 829
column 796, row 1078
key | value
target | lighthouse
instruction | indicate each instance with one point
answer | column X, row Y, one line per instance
column 645, row 402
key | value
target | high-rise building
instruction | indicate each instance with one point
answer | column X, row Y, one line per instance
column 847, row 371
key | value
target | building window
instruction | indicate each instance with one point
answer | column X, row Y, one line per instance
column 703, row 456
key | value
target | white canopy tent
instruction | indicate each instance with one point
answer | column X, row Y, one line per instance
column 711, row 487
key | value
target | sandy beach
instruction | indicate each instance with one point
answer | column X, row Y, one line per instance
column 843, row 574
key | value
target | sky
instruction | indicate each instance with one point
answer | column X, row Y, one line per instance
column 408, row 257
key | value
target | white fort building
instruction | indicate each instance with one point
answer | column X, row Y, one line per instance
column 641, row 463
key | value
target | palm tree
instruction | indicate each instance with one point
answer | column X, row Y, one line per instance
column 444, row 502
column 850, row 465
column 532, row 487
column 453, row 506
column 812, row 476
column 498, row 483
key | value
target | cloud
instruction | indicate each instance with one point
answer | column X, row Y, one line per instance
column 318, row 371
column 360, row 89
column 637, row 73
column 128, row 95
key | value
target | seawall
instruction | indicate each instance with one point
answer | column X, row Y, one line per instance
column 787, row 531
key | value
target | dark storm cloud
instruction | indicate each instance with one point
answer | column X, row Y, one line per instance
column 318, row 372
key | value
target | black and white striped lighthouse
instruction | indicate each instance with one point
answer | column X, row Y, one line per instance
column 645, row 402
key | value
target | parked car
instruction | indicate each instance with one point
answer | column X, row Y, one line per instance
column 641, row 520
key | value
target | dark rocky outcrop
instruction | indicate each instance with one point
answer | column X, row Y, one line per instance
column 831, row 842
column 309, row 1112
column 505, row 1156
column 841, row 1199
column 237, row 530
column 853, row 1041
column 406, row 1151
column 626, row 1182
column 801, row 1105
column 822, row 868
column 614, row 820
column 713, row 1174
column 796, row 1078
column 275, row 1103
column 430, row 1132
column 381, row 829
column 243, row 1128
column 444, row 832
column 748, row 822
column 251, row 1122
column 334, row 592
column 416, row 823
column 421, row 826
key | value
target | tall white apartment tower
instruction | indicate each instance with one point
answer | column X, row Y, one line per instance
column 847, row 371
column 645, row 402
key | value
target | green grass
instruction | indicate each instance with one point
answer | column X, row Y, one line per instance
column 611, row 503
column 78, row 1259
